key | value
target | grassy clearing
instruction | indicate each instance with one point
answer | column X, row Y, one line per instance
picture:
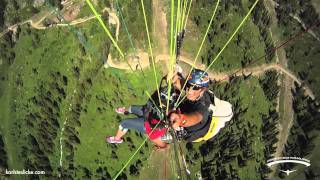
column 126, row 89
column 134, row 20
column 282, row 108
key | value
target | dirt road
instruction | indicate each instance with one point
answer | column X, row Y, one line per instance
column 285, row 103
column 159, row 27
column 36, row 22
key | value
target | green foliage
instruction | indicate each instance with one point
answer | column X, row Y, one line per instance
column 245, row 46
column 2, row 9
column 261, row 18
column 239, row 147
column 56, row 3
column 305, row 47
column 3, row 156
column 14, row 11
column 38, row 86
column 269, row 85
column 303, row 138
column 134, row 20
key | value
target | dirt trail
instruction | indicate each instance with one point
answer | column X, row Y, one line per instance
column 160, row 26
column 254, row 71
column 36, row 22
column 159, row 166
column 133, row 60
column 113, row 19
column 286, row 115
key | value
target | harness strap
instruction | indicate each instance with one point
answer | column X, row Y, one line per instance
column 221, row 113
column 211, row 131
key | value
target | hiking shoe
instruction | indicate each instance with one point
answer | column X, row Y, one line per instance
column 121, row 110
column 113, row 140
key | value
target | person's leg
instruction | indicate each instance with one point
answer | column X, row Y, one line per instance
column 133, row 109
column 136, row 109
column 119, row 134
column 134, row 123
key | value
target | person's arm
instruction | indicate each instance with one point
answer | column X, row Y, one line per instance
column 177, row 81
column 185, row 120
column 177, row 78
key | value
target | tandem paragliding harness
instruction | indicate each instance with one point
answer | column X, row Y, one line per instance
column 219, row 113
column 154, row 111
column 155, row 117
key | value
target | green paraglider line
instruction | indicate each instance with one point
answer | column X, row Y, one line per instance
column 127, row 163
column 93, row 9
column 129, row 35
column 225, row 45
column 150, row 49
column 199, row 50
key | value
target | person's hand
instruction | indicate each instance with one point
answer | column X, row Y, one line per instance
column 174, row 76
column 174, row 117
column 175, row 120
column 175, row 125
column 176, row 81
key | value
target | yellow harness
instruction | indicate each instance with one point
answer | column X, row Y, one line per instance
column 212, row 128
column 221, row 113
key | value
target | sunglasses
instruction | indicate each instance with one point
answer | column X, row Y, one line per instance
column 193, row 87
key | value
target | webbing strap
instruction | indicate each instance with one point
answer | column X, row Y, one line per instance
column 211, row 131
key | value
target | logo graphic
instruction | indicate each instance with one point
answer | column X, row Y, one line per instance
column 205, row 79
column 281, row 160
column 287, row 171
